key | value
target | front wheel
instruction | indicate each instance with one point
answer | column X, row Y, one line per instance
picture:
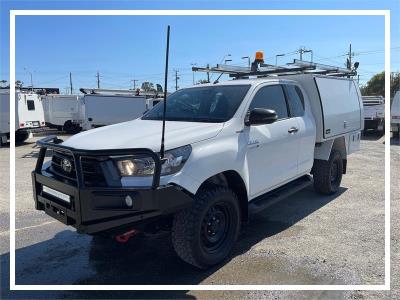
column 327, row 174
column 204, row 234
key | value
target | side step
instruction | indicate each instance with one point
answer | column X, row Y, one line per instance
column 264, row 201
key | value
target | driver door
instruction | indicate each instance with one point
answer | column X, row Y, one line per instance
column 272, row 149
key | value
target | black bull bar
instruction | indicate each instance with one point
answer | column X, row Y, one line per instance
column 94, row 209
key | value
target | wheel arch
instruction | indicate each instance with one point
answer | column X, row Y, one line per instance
column 324, row 150
column 235, row 182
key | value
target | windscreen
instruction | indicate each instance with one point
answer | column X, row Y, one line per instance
column 212, row 104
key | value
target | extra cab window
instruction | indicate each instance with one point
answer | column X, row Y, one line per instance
column 295, row 100
column 271, row 97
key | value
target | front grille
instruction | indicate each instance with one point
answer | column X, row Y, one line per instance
column 91, row 167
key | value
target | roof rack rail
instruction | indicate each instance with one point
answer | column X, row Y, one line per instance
column 293, row 68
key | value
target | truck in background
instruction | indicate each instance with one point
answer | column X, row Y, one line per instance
column 395, row 115
column 105, row 107
column 64, row 112
column 374, row 113
column 29, row 115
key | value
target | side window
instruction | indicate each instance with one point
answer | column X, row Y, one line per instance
column 271, row 97
column 30, row 104
column 295, row 100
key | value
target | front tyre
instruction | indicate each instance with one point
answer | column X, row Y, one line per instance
column 204, row 234
column 327, row 175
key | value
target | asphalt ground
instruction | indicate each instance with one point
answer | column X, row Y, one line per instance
column 304, row 239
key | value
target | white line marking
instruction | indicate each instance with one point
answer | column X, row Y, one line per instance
column 28, row 227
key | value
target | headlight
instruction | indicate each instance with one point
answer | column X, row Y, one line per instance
column 174, row 161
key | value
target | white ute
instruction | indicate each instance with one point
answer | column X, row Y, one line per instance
column 374, row 113
column 29, row 115
column 395, row 115
column 102, row 107
column 232, row 149
column 64, row 112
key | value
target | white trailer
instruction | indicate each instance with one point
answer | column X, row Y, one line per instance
column 101, row 110
column 395, row 112
column 374, row 112
column 29, row 115
column 64, row 112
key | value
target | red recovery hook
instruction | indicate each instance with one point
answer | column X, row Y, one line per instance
column 123, row 238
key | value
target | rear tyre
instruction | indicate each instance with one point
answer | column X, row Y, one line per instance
column 327, row 174
column 71, row 128
column 204, row 234
column 21, row 137
column 396, row 134
column 3, row 140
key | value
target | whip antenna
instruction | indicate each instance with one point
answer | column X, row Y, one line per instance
column 165, row 96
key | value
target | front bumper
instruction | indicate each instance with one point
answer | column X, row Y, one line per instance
column 96, row 209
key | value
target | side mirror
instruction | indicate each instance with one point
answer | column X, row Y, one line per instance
column 261, row 116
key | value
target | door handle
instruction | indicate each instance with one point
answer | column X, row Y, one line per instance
column 293, row 129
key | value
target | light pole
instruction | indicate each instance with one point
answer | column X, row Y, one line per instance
column 248, row 59
column 222, row 60
column 276, row 58
column 225, row 56
column 193, row 64
column 30, row 73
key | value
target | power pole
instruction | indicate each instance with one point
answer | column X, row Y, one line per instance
column 303, row 50
column 193, row 64
column 208, row 74
column 176, row 80
column 70, row 82
column 350, row 56
column 134, row 83
column 98, row 79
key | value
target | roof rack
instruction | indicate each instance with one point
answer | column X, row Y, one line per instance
column 263, row 70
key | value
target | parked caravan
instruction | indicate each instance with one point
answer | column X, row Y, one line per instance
column 29, row 115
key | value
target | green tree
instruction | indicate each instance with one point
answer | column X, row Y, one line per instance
column 18, row 83
column 376, row 85
column 394, row 83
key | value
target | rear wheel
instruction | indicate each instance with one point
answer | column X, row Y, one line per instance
column 21, row 137
column 327, row 174
column 71, row 128
column 204, row 234
column 396, row 134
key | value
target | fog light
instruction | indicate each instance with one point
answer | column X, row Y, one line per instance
column 128, row 201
